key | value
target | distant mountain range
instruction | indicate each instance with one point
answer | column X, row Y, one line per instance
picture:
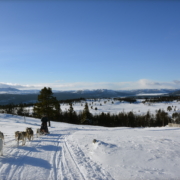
column 175, row 93
column 86, row 91
column 8, row 89
column 17, row 91
column 16, row 96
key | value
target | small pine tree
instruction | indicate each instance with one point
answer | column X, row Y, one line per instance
column 72, row 116
column 169, row 108
column 58, row 111
column 70, row 111
column 20, row 110
column 86, row 116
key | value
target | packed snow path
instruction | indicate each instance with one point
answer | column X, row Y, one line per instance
column 69, row 154
column 48, row 157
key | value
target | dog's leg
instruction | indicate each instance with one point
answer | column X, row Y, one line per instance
column 18, row 139
column 24, row 141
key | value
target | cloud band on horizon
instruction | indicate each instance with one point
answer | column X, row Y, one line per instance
column 140, row 84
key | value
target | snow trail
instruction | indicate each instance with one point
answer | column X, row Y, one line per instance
column 68, row 152
column 48, row 157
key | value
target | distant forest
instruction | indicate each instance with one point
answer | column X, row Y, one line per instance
column 122, row 119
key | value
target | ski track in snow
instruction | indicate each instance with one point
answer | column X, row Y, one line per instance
column 14, row 152
column 91, row 169
column 60, row 159
column 69, row 154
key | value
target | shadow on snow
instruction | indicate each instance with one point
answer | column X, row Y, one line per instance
column 26, row 160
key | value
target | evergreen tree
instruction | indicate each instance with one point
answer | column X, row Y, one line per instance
column 169, row 108
column 70, row 113
column 10, row 108
column 176, row 117
column 20, row 110
column 131, row 118
column 86, row 116
column 58, row 111
column 147, row 119
column 46, row 104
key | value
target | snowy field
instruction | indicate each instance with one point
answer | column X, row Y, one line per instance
column 68, row 152
column 106, row 106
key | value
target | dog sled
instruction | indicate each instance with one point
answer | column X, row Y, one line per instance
column 44, row 129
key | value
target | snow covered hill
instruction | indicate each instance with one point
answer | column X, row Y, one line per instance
column 68, row 152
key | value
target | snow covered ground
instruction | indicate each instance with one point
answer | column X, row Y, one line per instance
column 106, row 106
column 68, row 152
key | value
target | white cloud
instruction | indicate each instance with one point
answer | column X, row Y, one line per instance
column 60, row 85
column 177, row 82
column 17, row 86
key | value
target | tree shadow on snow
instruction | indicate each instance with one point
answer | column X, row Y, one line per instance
column 26, row 148
column 56, row 135
column 26, row 160
column 50, row 148
column 52, row 141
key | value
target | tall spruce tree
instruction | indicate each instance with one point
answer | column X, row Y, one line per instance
column 71, row 114
column 47, row 104
column 58, row 111
column 86, row 116
column 20, row 110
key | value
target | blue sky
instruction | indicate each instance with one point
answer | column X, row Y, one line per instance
column 90, row 44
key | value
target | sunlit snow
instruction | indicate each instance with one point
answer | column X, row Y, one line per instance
column 68, row 152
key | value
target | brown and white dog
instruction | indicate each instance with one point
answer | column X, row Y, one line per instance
column 2, row 137
column 16, row 135
column 1, row 142
column 30, row 133
column 22, row 136
column 38, row 132
column 1, row 147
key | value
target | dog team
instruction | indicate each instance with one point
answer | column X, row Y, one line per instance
column 19, row 135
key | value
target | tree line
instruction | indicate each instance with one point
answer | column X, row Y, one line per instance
column 49, row 105
column 162, row 99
